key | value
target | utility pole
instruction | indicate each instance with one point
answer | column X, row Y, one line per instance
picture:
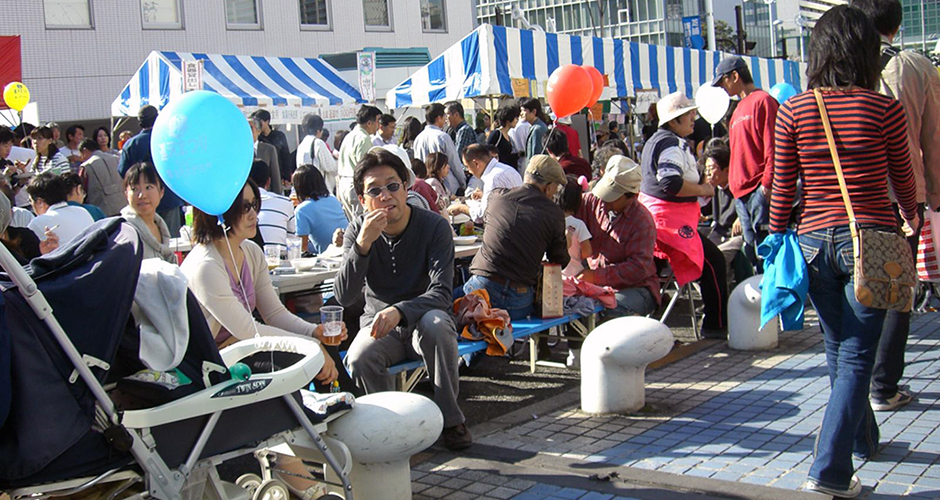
column 923, row 27
column 773, row 28
column 801, row 23
column 739, row 22
column 710, row 21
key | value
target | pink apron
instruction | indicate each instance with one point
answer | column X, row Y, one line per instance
column 677, row 236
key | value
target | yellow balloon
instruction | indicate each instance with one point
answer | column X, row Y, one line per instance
column 16, row 95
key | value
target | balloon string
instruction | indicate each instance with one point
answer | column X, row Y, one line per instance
column 547, row 137
column 241, row 286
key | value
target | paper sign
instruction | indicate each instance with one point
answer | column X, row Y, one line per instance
column 520, row 87
column 192, row 75
column 644, row 99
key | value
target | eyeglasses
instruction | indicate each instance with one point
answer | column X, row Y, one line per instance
column 248, row 205
column 391, row 187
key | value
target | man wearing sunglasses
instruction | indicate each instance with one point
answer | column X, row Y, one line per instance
column 402, row 260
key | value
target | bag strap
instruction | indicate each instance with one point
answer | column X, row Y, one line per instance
column 836, row 163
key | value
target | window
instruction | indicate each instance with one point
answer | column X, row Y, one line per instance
column 161, row 14
column 75, row 14
column 432, row 16
column 377, row 15
column 243, row 14
column 315, row 14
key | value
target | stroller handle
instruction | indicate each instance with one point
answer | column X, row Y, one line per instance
column 230, row 393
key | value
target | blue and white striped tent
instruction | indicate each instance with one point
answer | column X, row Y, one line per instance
column 275, row 83
column 486, row 62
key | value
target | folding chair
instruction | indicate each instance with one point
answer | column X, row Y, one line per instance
column 667, row 280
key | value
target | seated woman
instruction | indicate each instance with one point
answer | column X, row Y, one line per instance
column 144, row 190
column 228, row 275
column 670, row 189
column 319, row 213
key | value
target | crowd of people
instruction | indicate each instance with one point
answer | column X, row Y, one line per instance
column 606, row 215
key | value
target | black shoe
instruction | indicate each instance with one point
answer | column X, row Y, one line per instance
column 714, row 334
column 457, row 438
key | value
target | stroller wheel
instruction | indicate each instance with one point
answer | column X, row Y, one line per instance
column 330, row 496
column 250, row 482
column 272, row 490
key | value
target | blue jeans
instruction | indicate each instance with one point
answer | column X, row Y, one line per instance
column 754, row 213
column 851, row 333
column 632, row 302
column 519, row 302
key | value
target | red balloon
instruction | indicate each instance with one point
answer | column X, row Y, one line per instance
column 598, row 80
column 569, row 89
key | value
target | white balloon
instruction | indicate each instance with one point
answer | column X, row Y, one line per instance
column 712, row 103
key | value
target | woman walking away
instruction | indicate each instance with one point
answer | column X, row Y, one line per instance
column 870, row 133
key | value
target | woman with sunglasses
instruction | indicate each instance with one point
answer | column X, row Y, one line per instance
column 228, row 275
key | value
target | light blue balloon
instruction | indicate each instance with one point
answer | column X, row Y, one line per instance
column 202, row 147
column 783, row 91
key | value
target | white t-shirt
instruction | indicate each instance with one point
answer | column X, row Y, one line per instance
column 303, row 151
column 276, row 219
column 580, row 234
column 21, row 217
column 70, row 219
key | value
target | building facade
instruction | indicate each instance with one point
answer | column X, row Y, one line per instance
column 660, row 21
column 78, row 54
column 921, row 25
column 647, row 21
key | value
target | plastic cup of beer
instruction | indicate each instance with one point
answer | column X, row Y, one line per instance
column 332, row 319
column 272, row 255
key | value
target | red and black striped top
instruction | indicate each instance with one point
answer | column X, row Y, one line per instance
column 870, row 132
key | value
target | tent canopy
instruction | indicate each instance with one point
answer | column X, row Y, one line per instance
column 247, row 81
column 489, row 60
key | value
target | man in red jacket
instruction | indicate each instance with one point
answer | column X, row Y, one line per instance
column 751, row 135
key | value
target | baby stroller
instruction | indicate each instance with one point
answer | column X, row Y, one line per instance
column 61, row 432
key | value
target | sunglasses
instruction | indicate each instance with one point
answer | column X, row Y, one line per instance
column 391, row 187
column 248, row 205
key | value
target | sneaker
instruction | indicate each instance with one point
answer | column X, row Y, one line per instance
column 574, row 359
column 457, row 438
column 893, row 403
column 854, row 489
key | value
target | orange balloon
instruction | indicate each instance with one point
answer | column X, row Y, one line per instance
column 598, row 80
column 569, row 89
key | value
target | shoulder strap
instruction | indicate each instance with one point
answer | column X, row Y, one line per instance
column 835, row 161
column 887, row 52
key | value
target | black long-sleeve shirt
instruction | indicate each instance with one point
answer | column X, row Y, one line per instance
column 522, row 225
column 413, row 271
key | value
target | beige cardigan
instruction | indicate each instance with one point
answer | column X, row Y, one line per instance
column 209, row 282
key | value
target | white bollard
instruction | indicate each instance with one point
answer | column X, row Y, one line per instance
column 613, row 363
column 744, row 319
column 382, row 432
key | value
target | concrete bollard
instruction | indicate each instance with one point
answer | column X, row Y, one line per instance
column 744, row 315
column 382, row 432
column 613, row 363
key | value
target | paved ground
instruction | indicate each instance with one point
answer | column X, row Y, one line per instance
column 718, row 424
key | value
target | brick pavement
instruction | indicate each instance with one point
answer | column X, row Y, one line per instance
column 720, row 419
